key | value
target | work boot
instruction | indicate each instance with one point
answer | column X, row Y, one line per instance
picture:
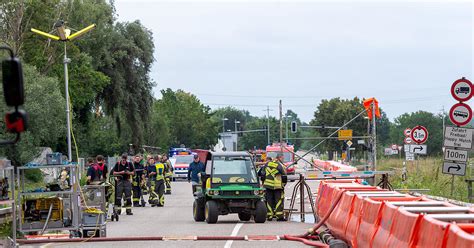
column 136, row 204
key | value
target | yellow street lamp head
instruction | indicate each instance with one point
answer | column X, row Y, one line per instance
column 64, row 33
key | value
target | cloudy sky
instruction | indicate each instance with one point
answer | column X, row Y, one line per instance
column 250, row 54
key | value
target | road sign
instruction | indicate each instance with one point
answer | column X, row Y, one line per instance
column 419, row 134
column 394, row 147
column 345, row 134
column 349, row 143
column 408, row 140
column 418, row 149
column 394, row 152
column 388, row 151
column 460, row 114
column 461, row 90
column 409, row 156
column 407, row 132
column 458, row 169
column 458, row 137
column 455, row 155
column 361, row 142
column 406, row 148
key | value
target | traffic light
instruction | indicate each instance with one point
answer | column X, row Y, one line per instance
column 294, row 127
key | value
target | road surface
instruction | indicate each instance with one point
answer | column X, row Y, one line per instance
column 176, row 219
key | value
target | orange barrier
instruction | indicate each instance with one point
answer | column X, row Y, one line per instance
column 456, row 237
column 333, row 166
column 337, row 222
column 369, row 222
column 431, row 233
column 368, row 216
column 354, row 220
column 405, row 225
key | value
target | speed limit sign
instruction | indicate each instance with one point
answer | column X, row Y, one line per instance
column 419, row 134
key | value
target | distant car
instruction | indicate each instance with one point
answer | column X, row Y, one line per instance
column 181, row 165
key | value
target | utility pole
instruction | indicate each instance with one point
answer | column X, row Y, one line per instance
column 281, row 124
column 374, row 139
column 268, row 124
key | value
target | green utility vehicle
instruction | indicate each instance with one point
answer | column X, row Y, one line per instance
column 230, row 185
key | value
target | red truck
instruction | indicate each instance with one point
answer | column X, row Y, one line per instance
column 288, row 156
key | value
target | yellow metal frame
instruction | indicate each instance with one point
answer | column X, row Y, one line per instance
column 68, row 38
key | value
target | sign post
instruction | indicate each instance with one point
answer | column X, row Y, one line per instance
column 457, row 140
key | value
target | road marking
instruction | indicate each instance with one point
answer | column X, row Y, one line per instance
column 237, row 227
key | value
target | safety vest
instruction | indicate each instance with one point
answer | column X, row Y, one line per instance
column 160, row 171
column 272, row 176
column 169, row 169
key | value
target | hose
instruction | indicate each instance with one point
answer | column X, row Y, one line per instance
column 305, row 241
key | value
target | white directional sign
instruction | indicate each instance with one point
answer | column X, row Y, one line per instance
column 455, row 155
column 418, row 149
column 407, row 140
column 409, row 156
column 458, row 137
column 460, row 114
column 458, row 169
column 406, row 148
column 388, row 151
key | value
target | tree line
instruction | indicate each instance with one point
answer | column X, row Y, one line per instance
column 111, row 92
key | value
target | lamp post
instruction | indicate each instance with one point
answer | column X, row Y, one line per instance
column 223, row 124
column 237, row 136
column 64, row 34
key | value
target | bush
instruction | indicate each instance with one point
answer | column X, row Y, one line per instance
column 34, row 175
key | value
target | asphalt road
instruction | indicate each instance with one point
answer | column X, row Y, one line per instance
column 175, row 219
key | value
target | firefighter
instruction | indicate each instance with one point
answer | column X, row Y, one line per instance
column 160, row 182
column 274, row 180
column 138, row 178
column 168, row 173
column 151, row 180
column 123, row 171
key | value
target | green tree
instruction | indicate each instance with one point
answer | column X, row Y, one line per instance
column 434, row 124
column 185, row 119
column 45, row 106
column 336, row 112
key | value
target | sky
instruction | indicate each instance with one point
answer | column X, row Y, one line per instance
column 251, row 54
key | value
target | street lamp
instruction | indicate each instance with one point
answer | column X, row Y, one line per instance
column 223, row 124
column 64, row 34
column 237, row 136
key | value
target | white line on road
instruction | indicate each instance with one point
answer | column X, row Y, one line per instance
column 237, row 227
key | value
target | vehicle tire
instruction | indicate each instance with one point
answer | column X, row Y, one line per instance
column 243, row 216
column 198, row 211
column 260, row 212
column 211, row 212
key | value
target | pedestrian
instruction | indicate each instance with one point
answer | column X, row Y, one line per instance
column 274, row 180
column 138, row 179
column 123, row 171
column 194, row 170
column 168, row 173
column 160, row 182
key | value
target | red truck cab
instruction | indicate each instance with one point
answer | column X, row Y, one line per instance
column 288, row 156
